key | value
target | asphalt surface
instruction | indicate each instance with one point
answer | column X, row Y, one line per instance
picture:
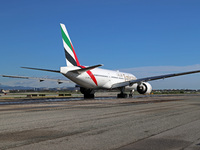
column 145, row 123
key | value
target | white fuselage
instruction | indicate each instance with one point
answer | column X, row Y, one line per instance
column 104, row 78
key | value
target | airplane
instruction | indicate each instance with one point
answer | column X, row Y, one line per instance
column 92, row 78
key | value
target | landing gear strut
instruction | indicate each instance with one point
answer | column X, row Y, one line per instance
column 122, row 94
column 131, row 93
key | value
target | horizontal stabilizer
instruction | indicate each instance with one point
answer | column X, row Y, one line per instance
column 59, row 81
column 84, row 69
column 57, row 71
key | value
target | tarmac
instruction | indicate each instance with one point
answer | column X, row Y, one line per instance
column 143, row 123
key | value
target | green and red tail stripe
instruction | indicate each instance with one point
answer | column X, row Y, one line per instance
column 70, row 54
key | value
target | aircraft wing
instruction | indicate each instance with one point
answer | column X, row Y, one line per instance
column 131, row 82
column 59, row 81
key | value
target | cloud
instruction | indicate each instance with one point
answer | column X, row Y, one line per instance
column 157, row 70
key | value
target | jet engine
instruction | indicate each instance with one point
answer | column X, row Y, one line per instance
column 144, row 88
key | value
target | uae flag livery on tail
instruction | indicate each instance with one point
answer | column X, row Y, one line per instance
column 70, row 54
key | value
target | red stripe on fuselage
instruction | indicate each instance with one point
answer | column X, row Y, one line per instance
column 91, row 75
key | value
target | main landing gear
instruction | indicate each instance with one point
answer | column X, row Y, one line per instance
column 88, row 93
column 124, row 95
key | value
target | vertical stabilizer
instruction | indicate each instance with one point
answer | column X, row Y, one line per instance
column 70, row 54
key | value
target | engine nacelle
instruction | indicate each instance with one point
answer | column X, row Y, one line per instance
column 144, row 88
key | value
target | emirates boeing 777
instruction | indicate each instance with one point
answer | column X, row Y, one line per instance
column 92, row 78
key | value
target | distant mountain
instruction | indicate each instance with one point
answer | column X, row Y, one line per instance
column 5, row 87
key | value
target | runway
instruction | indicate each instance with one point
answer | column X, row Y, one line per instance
column 143, row 123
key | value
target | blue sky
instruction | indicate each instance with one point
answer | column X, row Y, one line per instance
column 121, row 34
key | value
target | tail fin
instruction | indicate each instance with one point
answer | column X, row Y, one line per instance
column 70, row 54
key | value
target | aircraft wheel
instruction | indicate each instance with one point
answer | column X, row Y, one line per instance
column 122, row 95
column 88, row 96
